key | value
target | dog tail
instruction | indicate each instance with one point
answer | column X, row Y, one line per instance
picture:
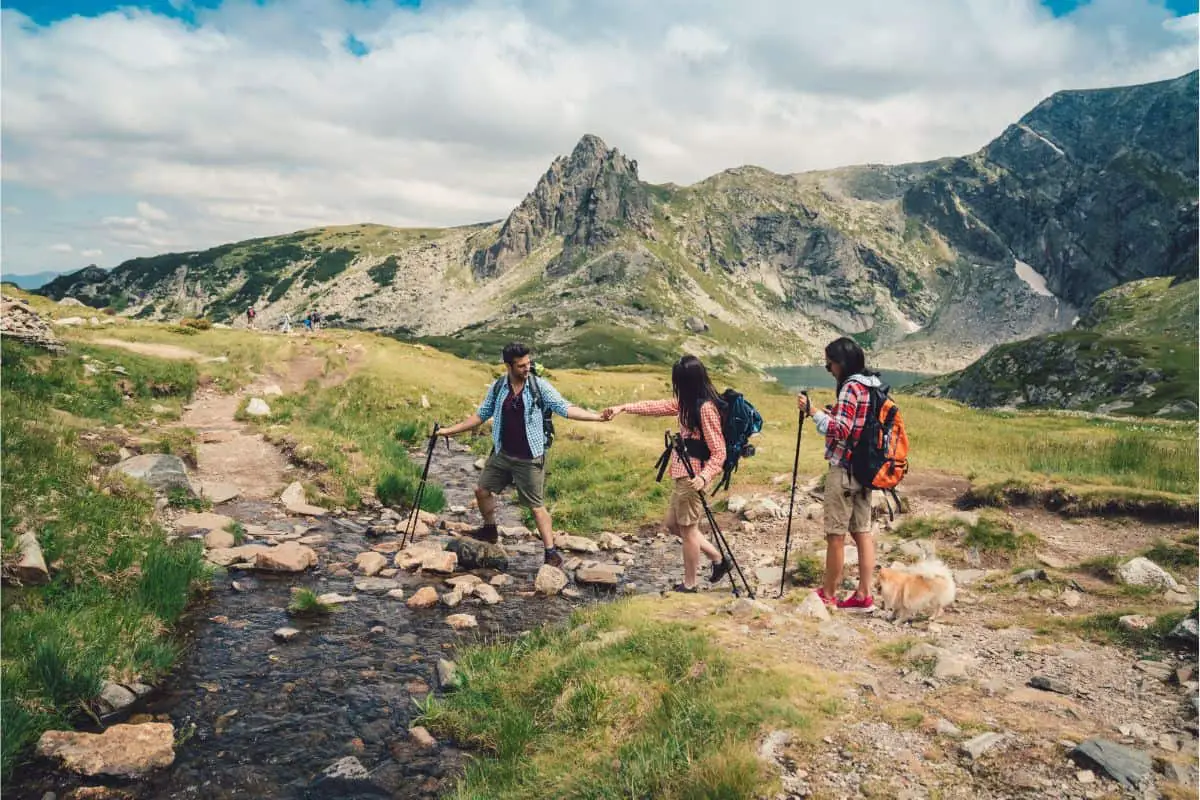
column 932, row 568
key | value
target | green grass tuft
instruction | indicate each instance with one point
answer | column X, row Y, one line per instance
column 305, row 603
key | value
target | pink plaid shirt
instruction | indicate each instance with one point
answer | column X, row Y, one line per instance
column 710, row 422
column 845, row 422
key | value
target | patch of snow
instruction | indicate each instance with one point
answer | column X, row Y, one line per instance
column 1032, row 278
column 1037, row 135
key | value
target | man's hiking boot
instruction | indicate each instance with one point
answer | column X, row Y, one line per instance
column 486, row 533
column 682, row 587
column 553, row 557
column 719, row 570
column 860, row 605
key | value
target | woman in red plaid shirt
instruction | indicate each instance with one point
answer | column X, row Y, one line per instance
column 847, row 502
column 695, row 403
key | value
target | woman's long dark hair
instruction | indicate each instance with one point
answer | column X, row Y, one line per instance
column 846, row 353
column 690, row 383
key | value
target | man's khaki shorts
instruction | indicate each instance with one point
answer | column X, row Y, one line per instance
column 847, row 506
column 685, row 506
column 502, row 471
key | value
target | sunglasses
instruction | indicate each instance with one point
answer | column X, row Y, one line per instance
column 828, row 366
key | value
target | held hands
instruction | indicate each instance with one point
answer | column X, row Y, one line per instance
column 611, row 413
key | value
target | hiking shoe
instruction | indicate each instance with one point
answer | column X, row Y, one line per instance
column 860, row 605
column 830, row 602
column 719, row 570
column 487, row 533
column 554, row 558
column 681, row 587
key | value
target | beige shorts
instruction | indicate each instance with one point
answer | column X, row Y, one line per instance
column 847, row 506
column 502, row 471
column 684, row 507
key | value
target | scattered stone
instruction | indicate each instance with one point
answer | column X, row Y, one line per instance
column 1141, row 571
column 115, row 697
column 422, row 738
column 461, row 621
column 763, row 508
column 550, row 580
column 272, row 390
column 350, row 526
column 480, row 463
column 947, row 728
column 448, row 678
column 121, row 750
column 370, row 562
column 376, row 585
column 160, row 471
column 744, row 608
column 736, row 504
column 599, row 575
column 1071, row 598
column 313, row 540
column 1029, row 576
column 578, row 544
column 486, row 593
column 501, row 580
column 335, row 599
column 286, row 557
column 217, row 540
column 296, row 501
column 974, row 748
column 348, row 768
column 395, row 594
column 951, row 665
column 1155, row 669
column 425, row 597
column 452, row 598
column 1085, row 776
column 441, row 562
column 228, row 556
column 286, row 634
column 917, row 549
column 19, row 321
column 192, row 523
column 573, row 563
column 257, row 407
column 571, row 593
column 1125, row 766
column 464, row 582
column 1135, row 622
column 1049, row 684
column 610, row 541
column 31, row 569
column 811, row 607
column 474, row 554
column 1186, row 631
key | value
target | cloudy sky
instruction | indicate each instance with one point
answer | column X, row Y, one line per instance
column 131, row 130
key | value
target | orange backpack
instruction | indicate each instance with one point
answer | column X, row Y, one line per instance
column 879, row 459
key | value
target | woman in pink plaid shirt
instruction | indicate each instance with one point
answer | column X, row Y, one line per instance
column 695, row 403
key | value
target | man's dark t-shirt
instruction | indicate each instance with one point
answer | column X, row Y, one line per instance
column 513, row 441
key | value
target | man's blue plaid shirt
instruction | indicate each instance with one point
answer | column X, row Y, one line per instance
column 533, row 416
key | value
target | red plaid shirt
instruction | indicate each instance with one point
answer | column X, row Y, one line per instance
column 845, row 422
column 710, row 422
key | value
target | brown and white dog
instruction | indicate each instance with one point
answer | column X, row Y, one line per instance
column 926, row 587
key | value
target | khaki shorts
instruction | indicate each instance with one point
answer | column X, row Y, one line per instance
column 502, row 471
column 684, row 507
column 847, row 506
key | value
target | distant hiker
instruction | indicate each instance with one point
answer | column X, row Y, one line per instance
column 519, row 402
column 695, row 404
column 847, row 502
column 286, row 325
column 316, row 320
column 308, row 323
column 250, row 313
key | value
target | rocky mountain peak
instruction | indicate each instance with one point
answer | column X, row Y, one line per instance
column 583, row 197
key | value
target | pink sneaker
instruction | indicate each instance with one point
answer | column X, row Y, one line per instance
column 828, row 601
column 861, row 605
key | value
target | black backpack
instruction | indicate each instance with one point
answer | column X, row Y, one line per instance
column 739, row 421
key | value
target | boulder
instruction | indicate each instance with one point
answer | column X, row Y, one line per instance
column 218, row 540
column 1136, row 622
column 464, row 582
column 441, row 562
column 1141, row 571
column 486, row 593
column 115, row 697
column 578, row 544
column 695, row 325
column 812, row 607
column 452, row 598
column 296, row 502
column 370, row 562
column 610, row 541
column 286, row 557
column 226, row 556
column 159, row 471
column 736, row 504
column 189, row 524
column 474, row 554
column 425, row 597
column 762, row 508
column 599, row 575
column 1186, row 631
column 461, row 621
column 412, row 556
column 120, row 751
column 1125, row 766
column 218, row 492
column 550, row 580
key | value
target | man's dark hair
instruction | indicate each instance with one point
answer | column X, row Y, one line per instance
column 513, row 351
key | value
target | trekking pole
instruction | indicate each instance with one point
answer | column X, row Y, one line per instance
column 410, row 528
column 787, row 539
column 677, row 443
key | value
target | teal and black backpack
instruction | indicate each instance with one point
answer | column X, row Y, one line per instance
column 739, row 421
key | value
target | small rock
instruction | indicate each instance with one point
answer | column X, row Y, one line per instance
column 951, row 665
column 1155, row 669
column 376, row 585
column 218, row 539
column 192, row 523
column 31, row 569
column 1071, row 598
column 440, row 562
column 1049, row 684
column 480, row 463
column 736, row 504
column 335, row 599
column 422, row 738
column 452, row 599
column 425, row 597
column 1135, row 622
column 286, row 634
column 550, row 580
column 348, row 768
column 370, row 562
column 610, row 541
column 578, row 544
column 599, row 575
column 1085, row 776
column 947, row 728
column 968, row 577
column 500, row 580
column 464, row 582
column 257, row 407
column 1186, row 631
column 286, row 557
column 768, row 576
column 116, row 697
column 395, row 594
column 461, row 621
column 161, row 472
column 486, row 593
column 474, row 554
column 448, row 678
column 1029, row 576
column 744, row 608
column 975, row 748
column 811, row 607
column 1125, row 766
column 296, row 501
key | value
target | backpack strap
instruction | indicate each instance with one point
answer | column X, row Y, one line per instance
column 664, row 459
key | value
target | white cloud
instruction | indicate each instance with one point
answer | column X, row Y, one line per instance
column 62, row 247
column 258, row 121
column 91, row 253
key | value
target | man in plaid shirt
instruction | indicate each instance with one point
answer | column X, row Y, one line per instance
column 518, row 443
